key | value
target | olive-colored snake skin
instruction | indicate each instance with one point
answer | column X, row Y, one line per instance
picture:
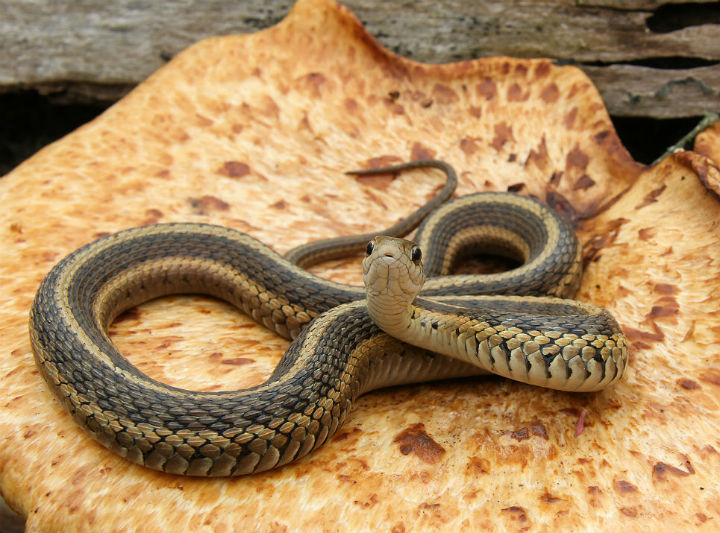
column 334, row 358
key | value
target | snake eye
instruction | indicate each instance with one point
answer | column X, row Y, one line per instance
column 415, row 254
column 370, row 247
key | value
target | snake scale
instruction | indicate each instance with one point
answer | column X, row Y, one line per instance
column 346, row 341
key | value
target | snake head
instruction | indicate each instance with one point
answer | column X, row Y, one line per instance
column 393, row 268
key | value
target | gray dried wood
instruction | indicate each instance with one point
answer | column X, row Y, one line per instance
column 96, row 50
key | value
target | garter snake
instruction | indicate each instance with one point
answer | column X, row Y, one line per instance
column 338, row 351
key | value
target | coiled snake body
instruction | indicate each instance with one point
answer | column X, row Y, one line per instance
column 339, row 352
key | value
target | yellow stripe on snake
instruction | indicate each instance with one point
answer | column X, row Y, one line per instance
column 347, row 341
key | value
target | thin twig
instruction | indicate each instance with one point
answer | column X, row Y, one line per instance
column 707, row 120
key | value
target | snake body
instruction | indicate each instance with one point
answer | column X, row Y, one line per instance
column 338, row 353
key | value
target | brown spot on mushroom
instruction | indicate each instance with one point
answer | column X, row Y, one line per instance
column 503, row 134
column 550, row 93
column 534, row 429
column 516, row 94
column 487, row 89
column 645, row 234
column 235, row 169
column 468, row 145
column 314, row 82
column 570, row 118
column 429, row 506
column 153, row 216
column 377, row 181
column 667, row 306
column 623, row 487
column 370, row 502
column 351, row 105
column 382, row 161
column 549, row 498
column 478, row 465
column 520, row 434
column 421, row 152
column 651, row 197
column 237, row 361
column 629, row 511
column 636, row 335
column 542, row 69
column 709, row 450
column 515, row 187
column 280, row 204
column 444, row 94
column 561, row 204
column 666, row 288
column 604, row 237
column 539, row 157
column 475, row 111
column 203, row 121
column 688, row 384
column 662, row 470
column 583, row 183
column 538, row 429
column 577, row 158
column 305, row 124
column 415, row 440
column 209, row 203
column 516, row 512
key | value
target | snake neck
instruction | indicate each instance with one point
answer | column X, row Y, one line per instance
column 416, row 324
column 389, row 315
column 575, row 346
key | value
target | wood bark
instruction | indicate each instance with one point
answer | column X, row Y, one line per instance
column 648, row 58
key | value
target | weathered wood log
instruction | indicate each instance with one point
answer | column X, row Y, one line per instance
column 641, row 91
column 98, row 50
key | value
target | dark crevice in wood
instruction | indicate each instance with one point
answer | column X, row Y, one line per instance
column 31, row 120
column 672, row 17
column 663, row 63
column 647, row 138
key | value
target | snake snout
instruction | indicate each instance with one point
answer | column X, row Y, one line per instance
column 391, row 253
